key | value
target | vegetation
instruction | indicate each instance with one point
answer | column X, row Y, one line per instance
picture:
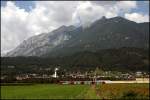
column 56, row 91
column 123, row 91
column 123, row 59
column 43, row 91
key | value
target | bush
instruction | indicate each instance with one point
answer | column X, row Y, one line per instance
column 130, row 94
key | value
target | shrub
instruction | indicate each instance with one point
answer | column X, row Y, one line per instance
column 130, row 94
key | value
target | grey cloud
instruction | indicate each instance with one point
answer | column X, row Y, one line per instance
column 18, row 24
column 104, row 3
column 89, row 9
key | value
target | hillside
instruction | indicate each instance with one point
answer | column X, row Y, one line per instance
column 104, row 33
column 122, row 59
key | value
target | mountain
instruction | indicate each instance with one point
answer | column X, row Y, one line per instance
column 122, row 59
column 40, row 44
column 104, row 33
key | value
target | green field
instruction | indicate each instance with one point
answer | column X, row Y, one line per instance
column 55, row 91
column 44, row 91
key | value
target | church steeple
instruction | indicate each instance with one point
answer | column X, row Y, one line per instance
column 55, row 74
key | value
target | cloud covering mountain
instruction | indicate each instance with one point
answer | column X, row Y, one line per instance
column 17, row 24
column 104, row 33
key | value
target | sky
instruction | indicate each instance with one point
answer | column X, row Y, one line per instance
column 23, row 19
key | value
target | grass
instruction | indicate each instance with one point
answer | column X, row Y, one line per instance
column 123, row 91
column 43, row 91
column 91, row 93
column 55, row 91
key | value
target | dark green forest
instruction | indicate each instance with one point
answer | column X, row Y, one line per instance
column 122, row 59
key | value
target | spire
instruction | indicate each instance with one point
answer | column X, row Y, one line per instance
column 55, row 74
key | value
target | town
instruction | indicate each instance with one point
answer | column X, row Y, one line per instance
column 89, row 77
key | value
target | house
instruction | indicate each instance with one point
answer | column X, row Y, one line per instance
column 138, row 73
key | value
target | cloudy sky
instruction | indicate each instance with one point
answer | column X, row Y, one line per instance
column 23, row 19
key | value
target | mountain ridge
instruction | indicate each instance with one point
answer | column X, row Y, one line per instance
column 102, row 34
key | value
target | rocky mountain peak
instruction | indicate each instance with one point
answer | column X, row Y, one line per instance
column 102, row 34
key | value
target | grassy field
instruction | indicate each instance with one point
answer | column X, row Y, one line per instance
column 54, row 91
column 123, row 91
column 44, row 91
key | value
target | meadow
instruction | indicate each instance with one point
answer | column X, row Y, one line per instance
column 43, row 91
column 57, row 91
column 123, row 91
